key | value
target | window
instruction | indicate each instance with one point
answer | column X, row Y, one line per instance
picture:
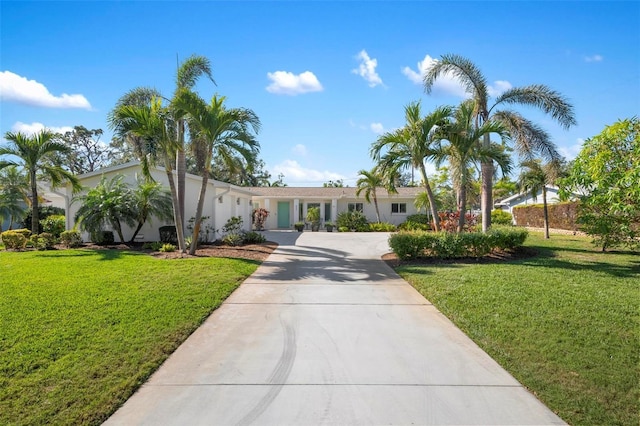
column 327, row 211
column 398, row 208
column 358, row 207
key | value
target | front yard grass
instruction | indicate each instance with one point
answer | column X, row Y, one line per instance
column 80, row 330
column 565, row 323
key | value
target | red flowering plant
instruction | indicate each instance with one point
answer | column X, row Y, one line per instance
column 259, row 217
column 449, row 221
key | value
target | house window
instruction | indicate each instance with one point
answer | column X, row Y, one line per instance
column 327, row 211
column 356, row 207
column 398, row 208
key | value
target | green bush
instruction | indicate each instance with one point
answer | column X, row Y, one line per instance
column 26, row 233
column 43, row 213
column 501, row 217
column 448, row 245
column 155, row 246
column 416, row 222
column 13, row 240
column 43, row 241
column 167, row 248
column 232, row 240
column 382, row 227
column 353, row 221
column 103, row 238
column 343, row 229
column 54, row 225
column 168, row 234
column 253, row 238
column 71, row 239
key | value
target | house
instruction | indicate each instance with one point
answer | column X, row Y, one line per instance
column 222, row 200
column 288, row 205
column 527, row 198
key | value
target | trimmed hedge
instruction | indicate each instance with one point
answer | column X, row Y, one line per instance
column 561, row 215
column 71, row 239
column 382, row 227
column 14, row 240
column 447, row 245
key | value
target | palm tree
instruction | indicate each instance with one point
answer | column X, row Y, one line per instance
column 14, row 189
column 411, row 146
column 463, row 150
column 216, row 131
column 527, row 137
column 535, row 177
column 367, row 183
column 153, row 125
column 32, row 153
column 150, row 200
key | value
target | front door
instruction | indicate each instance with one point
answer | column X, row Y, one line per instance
column 283, row 214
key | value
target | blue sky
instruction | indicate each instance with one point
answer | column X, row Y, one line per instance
column 325, row 78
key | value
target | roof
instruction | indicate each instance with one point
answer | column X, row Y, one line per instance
column 322, row 192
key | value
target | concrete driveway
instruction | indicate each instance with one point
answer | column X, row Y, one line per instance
column 324, row 332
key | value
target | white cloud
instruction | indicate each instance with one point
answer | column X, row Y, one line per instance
column 367, row 69
column 377, row 128
column 445, row 84
column 300, row 150
column 498, row 88
column 294, row 174
column 594, row 58
column 29, row 92
column 33, row 128
column 287, row 83
column 571, row 152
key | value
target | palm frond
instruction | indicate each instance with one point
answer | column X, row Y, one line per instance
column 465, row 71
column 194, row 67
column 529, row 138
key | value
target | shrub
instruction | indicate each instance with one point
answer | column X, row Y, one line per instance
column 167, row 248
column 168, row 234
column 54, row 224
column 354, row 221
column 71, row 239
column 232, row 240
column 26, row 233
column 259, row 217
column 102, row 238
column 343, row 229
column 382, row 227
column 155, row 246
column 43, row 241
column 13, row 240
column 43, row 213
column 449, row 221
column 233, row 225
column 501, row 217
column 253, row 238
column 419, row 218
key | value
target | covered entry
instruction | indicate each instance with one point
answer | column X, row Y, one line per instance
column 283, row 214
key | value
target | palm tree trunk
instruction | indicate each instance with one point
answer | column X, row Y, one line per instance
column 545, row 212
column 462, row 206
column 177, row 217
column 135, row 233
column 181, row 168
column 35, row 220
column 116, row 224
column 196, row 225
column 432, row 199
column 375, row 203
column 486, row 200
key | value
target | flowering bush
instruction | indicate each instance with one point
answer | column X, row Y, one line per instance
column 259, row 218
column 449, row 222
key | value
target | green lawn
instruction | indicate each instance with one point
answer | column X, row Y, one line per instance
column 80, row 330
column 566, row 323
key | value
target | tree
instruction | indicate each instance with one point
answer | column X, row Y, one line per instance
column 338, row 183
column 32, row 153
column 607, row 173
column 111, row 202
column 367, row 183
column 279, row 182
column 86, row 152
column 535, row 177
column 216, row 130
column 528, row 138
column 411, row 146
column 504, row 188
column 463, row 150
column 150, row 199
column 14, row 190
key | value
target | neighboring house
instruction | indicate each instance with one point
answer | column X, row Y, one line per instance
column 222, row 200
column 527, row 198
column 48, row 198
column 288, row 205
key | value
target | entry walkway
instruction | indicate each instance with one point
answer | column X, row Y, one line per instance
column 324, row 332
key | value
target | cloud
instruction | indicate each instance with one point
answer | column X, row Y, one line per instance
column 571, row 152
column 498, row 88
column 29, row 92
column 300, row 150
column 377, row 128
column 294, row 174
column 287, row 83
column 594, row 58
column 33, row 128
column 446, row 84
column 367, row 69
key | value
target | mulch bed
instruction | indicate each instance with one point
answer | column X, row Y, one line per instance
column 497, row 257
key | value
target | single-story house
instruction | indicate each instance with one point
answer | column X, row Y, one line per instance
column 527, row 198
column 222, row 200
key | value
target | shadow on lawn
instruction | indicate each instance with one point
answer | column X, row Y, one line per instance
column 105, row 254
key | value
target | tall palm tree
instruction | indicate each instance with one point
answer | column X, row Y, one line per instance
column 216, row 130
column 411, row 146
column 150, row 199
column 32, row 152
column 367, row 183
column 463, row 149
column 14, row 190
column 154, row 126
column 535, row 177
column 527, row 137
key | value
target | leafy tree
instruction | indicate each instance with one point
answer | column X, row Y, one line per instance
column 86, row 152
column 32, row 152
column 367, row 183
column 216, row 130
column 607, row 172
column 338, row 183
column 528, row 137
column 462, row 150
column 109, row 203
column 14, row 189
column 150, row 199
column 504, row 188
column 411, row 146
column 279, row 182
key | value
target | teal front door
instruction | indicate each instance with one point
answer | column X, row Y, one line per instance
column 283, row 214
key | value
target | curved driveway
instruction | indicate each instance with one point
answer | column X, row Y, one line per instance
column 324, row 332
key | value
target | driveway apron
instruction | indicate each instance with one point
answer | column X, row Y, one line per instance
column 324, row 332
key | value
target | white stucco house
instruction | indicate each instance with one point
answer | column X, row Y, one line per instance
column 524, row 199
